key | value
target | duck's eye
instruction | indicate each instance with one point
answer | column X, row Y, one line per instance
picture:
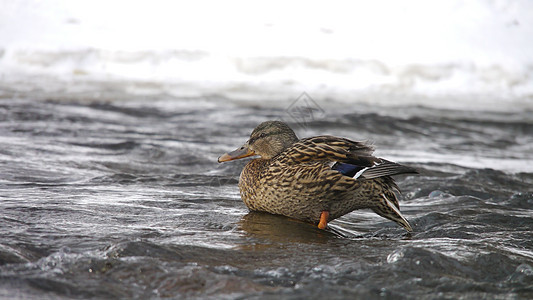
column 254, row 139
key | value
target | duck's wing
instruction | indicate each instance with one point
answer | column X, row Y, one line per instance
column 328, row 148
column 350, row 158
column 380, row 168
column 345, row 163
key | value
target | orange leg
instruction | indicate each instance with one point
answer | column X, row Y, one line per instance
column 323, row 219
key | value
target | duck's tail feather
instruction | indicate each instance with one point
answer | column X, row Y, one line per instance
column 387, row 209
column 386, row 168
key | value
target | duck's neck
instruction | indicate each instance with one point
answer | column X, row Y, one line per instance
column 253, row 169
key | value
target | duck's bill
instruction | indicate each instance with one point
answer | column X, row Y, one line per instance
column 237, row 154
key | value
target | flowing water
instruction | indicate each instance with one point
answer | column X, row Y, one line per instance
column 125, row 199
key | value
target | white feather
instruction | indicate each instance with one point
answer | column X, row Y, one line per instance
column 360, row 173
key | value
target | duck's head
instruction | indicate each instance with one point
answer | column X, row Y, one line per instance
column 267, row 140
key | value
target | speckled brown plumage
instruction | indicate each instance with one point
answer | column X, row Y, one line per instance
column 303, row 178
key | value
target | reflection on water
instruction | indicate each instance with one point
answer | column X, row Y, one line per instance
column 270, row 229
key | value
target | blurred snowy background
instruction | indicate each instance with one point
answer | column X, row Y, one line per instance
column 451, row 53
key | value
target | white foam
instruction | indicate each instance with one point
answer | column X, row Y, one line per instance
column 504, row 161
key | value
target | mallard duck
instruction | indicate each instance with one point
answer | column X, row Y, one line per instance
column 316, row 179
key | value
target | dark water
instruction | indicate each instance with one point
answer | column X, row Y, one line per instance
column 125, row 199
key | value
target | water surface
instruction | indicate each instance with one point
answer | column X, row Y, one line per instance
column 125, row 199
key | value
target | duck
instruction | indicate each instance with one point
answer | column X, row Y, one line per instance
column 316, row 179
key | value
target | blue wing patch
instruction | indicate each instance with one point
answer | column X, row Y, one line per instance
column 347, row 169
